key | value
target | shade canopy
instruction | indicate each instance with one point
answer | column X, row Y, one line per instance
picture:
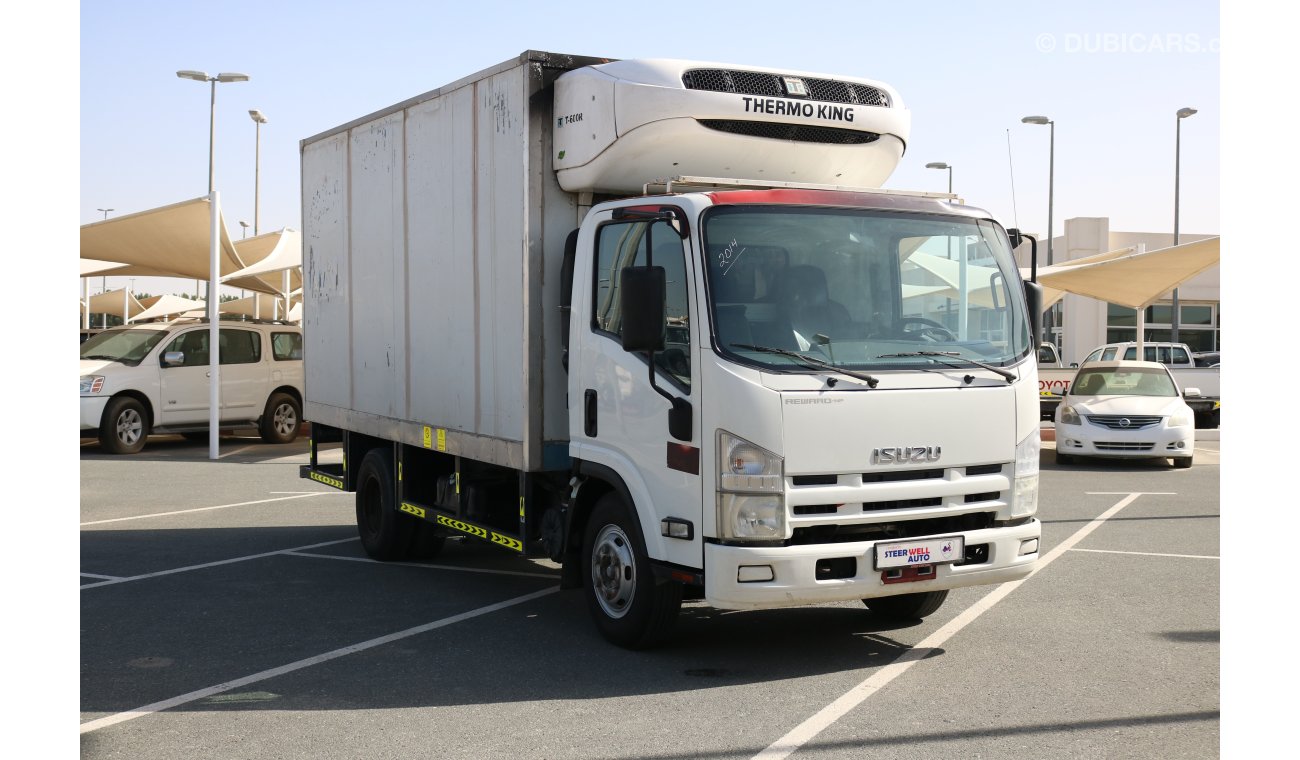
column 1129, row 278
column 175, row 241
column 118, row 303
column 164, row 306
column 255, row 307
column 273, row 254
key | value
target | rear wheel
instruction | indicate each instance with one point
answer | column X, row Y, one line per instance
column 907, row 606
column 281, row 419
column 629, row 607
column 124, row 426
column 384, row 534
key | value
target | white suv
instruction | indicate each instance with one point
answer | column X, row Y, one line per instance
column 153, row 378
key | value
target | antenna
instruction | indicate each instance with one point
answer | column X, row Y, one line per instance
column 1014, row 214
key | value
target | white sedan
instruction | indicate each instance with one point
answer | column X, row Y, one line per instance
column 1127, row 409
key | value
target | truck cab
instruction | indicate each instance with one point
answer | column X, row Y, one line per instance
column 838, row 402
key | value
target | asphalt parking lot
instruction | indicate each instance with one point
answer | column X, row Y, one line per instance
column 227, row 610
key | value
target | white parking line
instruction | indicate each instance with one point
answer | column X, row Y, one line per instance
column 547, row 576
column 102, row 577
column 205, row 565
column 301, row 495
column 166, row 704
column 1147, row 554
column 804, row 732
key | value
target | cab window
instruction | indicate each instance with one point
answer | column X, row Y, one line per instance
column 194, row 346
column 621, row 245
column 240, row 346
column 286, row 346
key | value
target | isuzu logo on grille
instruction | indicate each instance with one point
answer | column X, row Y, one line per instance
column 905, row 454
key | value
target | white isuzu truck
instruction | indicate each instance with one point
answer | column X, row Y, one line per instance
column 650, row 319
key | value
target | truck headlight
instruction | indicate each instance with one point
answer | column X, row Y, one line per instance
column 751, row 491
column 1069, row 416
column 91, row 384
column 1024, row 496
column 742, row 516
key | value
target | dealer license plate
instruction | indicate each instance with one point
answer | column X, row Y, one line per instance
column 923, row 551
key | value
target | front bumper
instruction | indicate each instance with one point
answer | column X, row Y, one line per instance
column 92, row 411
column 794, row 571
column 1088, row 440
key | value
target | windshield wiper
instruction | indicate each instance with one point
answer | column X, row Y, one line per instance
column 811, row 361
column 104, row 357
column 948, row 357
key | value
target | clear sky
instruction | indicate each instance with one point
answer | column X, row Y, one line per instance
column 1111, row 75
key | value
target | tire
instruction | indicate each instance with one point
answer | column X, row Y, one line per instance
column 628, row 606
column 124, row 426
column 906, row 606
column 1182, row 463
column 385, row 535
column 281, row 420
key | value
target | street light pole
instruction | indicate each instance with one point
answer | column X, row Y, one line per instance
column 942, row 165
column 245, row 226
column 1051, row 191
column 200, row 76
column 105, row 210
column 259, row 120
column 1183, row 113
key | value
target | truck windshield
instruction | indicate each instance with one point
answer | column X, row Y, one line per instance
column 861, row 288
column 129, row 347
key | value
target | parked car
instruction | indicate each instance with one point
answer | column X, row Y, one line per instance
column 153, row 378
column 1168, row 354
column 1125, row 409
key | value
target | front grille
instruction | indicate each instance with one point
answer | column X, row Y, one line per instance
column 972, row 498
column 796, row 132
column 897, row 475
column 1122, row 422
column 984, row 469
column 771, row 85
column 934, row 526
column 814, row 480
column 1123, row 446
column 816, row 509
column 877, row 506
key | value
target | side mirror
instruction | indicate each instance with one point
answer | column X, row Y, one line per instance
column 1191, row 392
column 643, row 303
column 1074, row 365
column 1014, row 235
column 1034, row 301
column 174, row 359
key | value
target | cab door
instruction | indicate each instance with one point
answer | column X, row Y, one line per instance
column 244, row 375
column 183, row 396
column 617, row 419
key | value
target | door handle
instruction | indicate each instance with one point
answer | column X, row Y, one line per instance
column 589, row 413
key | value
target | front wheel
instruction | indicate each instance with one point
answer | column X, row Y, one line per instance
column 629, row 607
column 1182, row 463
column 281, row 419
column 124, row 426
column 907, row 606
